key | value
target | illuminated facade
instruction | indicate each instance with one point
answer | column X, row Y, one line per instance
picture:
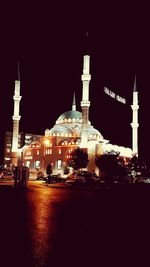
column 71, row 130
column 24, row 139
column 58, row 143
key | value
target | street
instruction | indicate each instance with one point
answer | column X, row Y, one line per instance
column 43, row 226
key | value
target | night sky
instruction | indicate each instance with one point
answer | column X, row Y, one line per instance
column 49, row 40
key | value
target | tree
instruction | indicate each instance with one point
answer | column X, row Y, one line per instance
column 112, row 167
column 49, row 169
column 107, row 165
column 137, row 165
column 79, row 159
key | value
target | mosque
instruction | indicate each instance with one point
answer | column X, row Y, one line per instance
column 71, row 130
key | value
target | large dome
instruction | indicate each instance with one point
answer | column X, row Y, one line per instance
column 61, row 129
column 71, row 114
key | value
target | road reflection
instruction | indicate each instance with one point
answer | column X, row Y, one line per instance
column 41, row 222
column 44, row 227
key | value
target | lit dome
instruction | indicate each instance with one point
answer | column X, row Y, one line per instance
column 108, row 147
column 72, row 114
column 61, row 129
column 92, row 130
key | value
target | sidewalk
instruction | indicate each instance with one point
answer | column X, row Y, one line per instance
column 6, row 181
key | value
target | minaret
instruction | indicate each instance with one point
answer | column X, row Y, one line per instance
column 135, row 123
column 74, row 103
column 16, row 118
column 85, row 103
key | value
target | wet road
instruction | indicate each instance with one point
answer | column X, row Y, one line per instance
column 44, row 226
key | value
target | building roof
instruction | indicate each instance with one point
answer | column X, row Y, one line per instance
column 61, row 129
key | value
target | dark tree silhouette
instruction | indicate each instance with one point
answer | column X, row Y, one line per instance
column 79, row 159
column 107, row 164
column 138, row 165
column 112, row 167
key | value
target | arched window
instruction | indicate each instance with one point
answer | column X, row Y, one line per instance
column 37, row 164
column 59, row 164
column 28, row 163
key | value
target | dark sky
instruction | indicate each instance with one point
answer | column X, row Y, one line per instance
column 49, row 40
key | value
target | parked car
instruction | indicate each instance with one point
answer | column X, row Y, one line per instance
column 88, row 177
column 53, row 178
column 142, row 180
column 40, row 175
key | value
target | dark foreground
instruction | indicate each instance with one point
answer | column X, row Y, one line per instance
column 44, row 226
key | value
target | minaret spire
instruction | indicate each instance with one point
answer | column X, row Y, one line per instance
column 135, row 123
column 16, row 118
column 18, row 70
column 85, row 103
column 74, row 102
column 86, row 43
column 135, row 87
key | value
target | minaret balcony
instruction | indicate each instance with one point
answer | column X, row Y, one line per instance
column 135, row 107
column 17, row 97
column 85, row 103
column 134, row 125
column 86, row 77
column 16, row 118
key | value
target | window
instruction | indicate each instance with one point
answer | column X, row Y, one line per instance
column 28, row 136
column 48, row 151
column 8, row 144
column 28, row 163
column 59, row 151
column 59, row 163
column 37, row 164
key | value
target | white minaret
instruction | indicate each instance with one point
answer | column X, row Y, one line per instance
column 16, row 118
column 85, row 103
column 135, row 123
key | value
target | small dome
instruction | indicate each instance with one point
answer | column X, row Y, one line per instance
column 92, row 132
column 35, row 143
column 72, row 114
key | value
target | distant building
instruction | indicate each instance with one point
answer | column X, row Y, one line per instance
column 24, row 139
